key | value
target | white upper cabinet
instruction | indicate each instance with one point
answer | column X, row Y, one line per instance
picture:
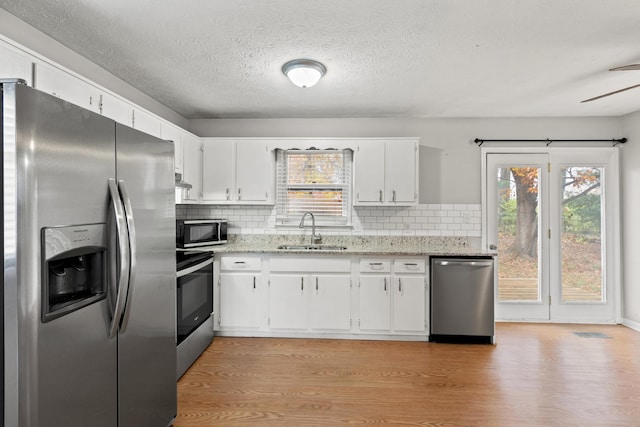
column 237, row 171
column 218, row 165
column 58, row 82
column 66, row 86
column 15, row 64
column 369, row 172
column 115, row 108
column 386, row 173
column 254, row 172
column 145, row 122
column 175, row 135
column 192, row 173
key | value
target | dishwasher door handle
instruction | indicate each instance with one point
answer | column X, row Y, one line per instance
column 469, row 263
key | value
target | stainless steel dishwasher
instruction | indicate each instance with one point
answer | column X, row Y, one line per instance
column 462, row 299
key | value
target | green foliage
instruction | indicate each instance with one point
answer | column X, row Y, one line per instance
column 507, row 216
column 583, row 216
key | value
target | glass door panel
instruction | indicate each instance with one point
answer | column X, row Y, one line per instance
column 518, row 234
column 581, row 237
column 585, row 257
column 517, row 223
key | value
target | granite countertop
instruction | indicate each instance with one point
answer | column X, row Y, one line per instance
column 355, row 245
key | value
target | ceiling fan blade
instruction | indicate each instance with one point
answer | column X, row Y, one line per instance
column 626, row 67
column 610, row 93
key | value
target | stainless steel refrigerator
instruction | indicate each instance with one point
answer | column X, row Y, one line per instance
column 89, row 268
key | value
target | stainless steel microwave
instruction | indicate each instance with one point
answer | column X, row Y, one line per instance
column 201, row 232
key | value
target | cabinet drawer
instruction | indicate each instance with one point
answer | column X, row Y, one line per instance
column 375, row 266
column 409, row 265
column 240, row 263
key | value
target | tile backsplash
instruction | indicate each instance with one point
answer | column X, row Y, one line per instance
column 460, row 220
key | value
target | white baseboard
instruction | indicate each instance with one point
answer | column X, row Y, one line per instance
column 631, row 324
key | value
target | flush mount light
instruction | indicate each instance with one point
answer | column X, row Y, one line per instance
column 304, row 72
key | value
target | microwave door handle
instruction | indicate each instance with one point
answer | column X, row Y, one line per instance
column 133, row 263
column 194, row 268
column 119, row 282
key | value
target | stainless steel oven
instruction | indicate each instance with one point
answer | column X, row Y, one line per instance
column 194, row 296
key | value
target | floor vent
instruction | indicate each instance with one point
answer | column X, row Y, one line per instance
column 592, row 335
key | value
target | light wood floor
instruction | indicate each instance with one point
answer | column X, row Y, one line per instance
column 536, row 375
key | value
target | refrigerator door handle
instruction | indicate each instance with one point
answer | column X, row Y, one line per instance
column 122, row 279
column 133, row 264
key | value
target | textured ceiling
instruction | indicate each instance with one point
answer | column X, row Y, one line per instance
column 384, row 58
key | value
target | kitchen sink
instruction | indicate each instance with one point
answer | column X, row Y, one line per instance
column 312, row 247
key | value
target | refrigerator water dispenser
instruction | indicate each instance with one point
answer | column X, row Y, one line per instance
column 74, row 268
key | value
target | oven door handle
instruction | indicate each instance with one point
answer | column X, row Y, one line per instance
column 194, row 267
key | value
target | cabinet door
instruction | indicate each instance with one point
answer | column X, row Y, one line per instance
column 218, row 171
column 192, row 165
column 145, row 122
column 401, row 172
column 375, row 303
column 116, row 109
column 173, row 134
column 239, row 301
column 331, row 302
column 409, row 303
column 369, row 173
column 254, row 172
column 14, row 64
column 288, row 301
column 59, row 83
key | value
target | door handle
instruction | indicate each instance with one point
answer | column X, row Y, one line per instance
column 133, row 252
column 119, row 283
column 385, row 284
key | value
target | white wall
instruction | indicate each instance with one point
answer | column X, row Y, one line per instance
column 39, row 44
column 630, row 200
column 449, row 159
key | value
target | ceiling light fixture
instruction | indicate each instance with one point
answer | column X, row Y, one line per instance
column 304, row 72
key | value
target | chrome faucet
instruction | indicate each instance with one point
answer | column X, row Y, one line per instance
column 315, row 239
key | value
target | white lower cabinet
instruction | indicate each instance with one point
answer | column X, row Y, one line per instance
column 374, row 291
column 393, row 296
column 241, row 294
column 305, row 295
column 288, row 307
column 310, row 294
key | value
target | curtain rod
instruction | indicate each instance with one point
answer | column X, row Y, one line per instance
column 615, row 142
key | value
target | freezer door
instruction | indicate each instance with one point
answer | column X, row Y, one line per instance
column 57, row 159
column 147, row 338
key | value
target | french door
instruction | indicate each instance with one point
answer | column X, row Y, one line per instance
column 552, row 215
